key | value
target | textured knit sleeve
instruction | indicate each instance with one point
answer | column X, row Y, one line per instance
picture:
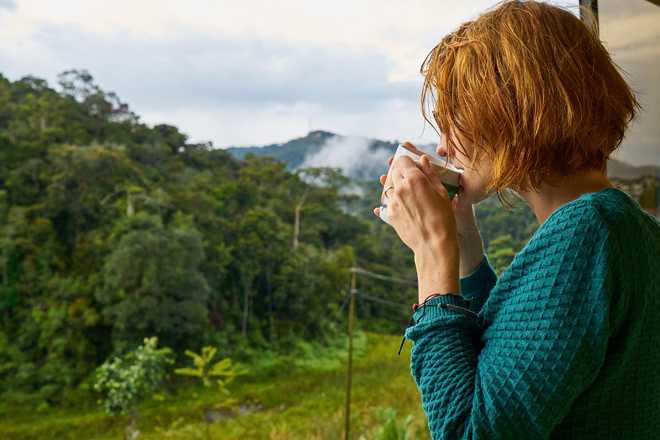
column 517, row 376
column 476, row 285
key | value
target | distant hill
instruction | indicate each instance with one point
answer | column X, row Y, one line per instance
column 621, row 170
column 296, row 151
column 292, row 152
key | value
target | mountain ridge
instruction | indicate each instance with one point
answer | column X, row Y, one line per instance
column 295, row 151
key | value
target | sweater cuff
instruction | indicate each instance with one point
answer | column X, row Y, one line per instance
column 472, row 284
column 443, row 306
column 440, row 310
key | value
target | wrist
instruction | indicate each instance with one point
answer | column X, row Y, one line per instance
column 469, row 239
column 466, row 227
column 437, row 265
column 471, row 253
column 433, row 251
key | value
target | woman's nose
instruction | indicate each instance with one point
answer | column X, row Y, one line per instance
column 442, row 151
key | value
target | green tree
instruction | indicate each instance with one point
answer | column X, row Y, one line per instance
column 501, row 252
column 262, row 242
column 152, row 284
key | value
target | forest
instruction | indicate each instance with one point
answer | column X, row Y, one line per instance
column 113, row 231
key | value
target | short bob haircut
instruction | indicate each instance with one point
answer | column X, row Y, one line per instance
column 530, row 87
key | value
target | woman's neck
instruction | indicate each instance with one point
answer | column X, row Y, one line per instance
column 548, row 198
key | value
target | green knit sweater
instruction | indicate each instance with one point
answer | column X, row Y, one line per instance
column 565, row 344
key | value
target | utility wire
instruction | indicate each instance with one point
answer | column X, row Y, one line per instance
column 381, row 300
column 384, row 277
column 370, row 298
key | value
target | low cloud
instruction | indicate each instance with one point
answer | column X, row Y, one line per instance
column 356, row 157
column 352, row 154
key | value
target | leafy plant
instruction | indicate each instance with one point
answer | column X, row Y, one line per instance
column 391, row 428
column 222, row 373
column 124, row 381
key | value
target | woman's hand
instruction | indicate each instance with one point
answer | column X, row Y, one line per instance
column 471, row 248
column 421, row 213
column 419, row 208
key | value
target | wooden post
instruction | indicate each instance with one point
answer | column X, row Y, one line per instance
column 349, row 369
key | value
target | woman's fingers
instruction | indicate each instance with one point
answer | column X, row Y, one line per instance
column 413, row 148
column 426, row 166
column 425, row 163
column 403, row 169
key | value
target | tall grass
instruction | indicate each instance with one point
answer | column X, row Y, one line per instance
column 297, row 397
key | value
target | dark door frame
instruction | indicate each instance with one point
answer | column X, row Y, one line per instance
column 590, row 4
column 593, row 5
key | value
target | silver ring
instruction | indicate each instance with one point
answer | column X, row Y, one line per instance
column 387, row 189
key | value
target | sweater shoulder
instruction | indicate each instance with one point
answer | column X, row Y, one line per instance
column 567, row 253
column 566, row 260
column 627, row 219
column 568, row 232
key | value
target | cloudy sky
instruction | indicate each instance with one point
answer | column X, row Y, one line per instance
column 259, row 71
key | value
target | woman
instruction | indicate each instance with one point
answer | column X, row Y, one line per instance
column 565, row 343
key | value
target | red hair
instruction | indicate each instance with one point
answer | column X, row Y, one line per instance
column 532, row 89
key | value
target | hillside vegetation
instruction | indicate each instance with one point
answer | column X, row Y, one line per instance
column 112, row 231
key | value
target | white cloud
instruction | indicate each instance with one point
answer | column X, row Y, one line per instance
column 354, row 155
column 404, row 31
column 351, row 153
